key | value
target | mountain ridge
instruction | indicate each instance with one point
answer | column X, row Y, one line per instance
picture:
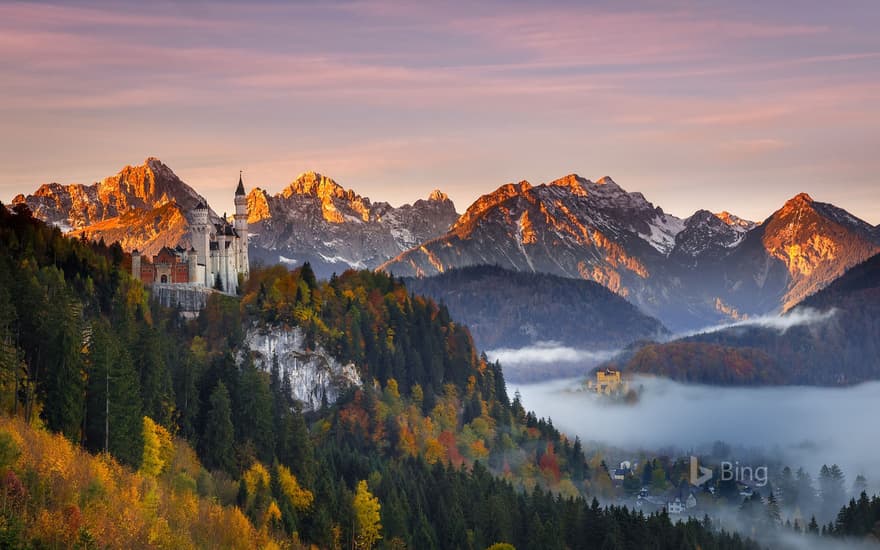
column 509, row 309
column 689, row 272
column 317, row 220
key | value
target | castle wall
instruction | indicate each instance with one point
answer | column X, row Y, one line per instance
column 190, row 298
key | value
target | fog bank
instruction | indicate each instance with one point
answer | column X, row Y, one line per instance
column 802, row 316
column 547, row 360
column 803, row 426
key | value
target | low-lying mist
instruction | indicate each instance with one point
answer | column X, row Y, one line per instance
column 802, row 316
column 547, row 360
column 800, row 426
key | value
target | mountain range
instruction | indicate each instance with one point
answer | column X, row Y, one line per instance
column 689, row 273
column 316, row 220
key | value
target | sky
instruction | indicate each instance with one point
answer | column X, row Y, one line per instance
column 725, row 105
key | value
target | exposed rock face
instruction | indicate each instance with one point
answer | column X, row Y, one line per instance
column 317, row 220
column 143, row 207
column 315, row 376
column 706, row 269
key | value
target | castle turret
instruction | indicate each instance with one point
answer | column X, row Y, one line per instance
column 192, row 261
column 242, row 263
column 201, row 233
column 136, row 264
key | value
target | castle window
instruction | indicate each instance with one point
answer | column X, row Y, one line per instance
column 164, row 278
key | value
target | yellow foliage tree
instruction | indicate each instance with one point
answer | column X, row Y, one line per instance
column 158, row 448
column 255, row 479
column 434, row 451
column 300, row 498
column 368, row 524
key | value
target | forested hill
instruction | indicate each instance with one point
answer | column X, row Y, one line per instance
column 429, row 453
column 836, row 342
column 513, row 309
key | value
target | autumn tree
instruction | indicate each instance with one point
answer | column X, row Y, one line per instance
column 366, row 515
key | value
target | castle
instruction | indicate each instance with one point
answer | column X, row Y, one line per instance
column 608, row 382
column 217, row 259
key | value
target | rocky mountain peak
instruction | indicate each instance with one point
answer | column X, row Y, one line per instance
column 338, row 204
column 734, row 221
column 315, row 184
column 702, row 217
column 574, row 183
column 438, row 196
column 489, row 201
column 817, row 242
column 258, row 205
column 804, row 198
column 141, row 187
column 148, row 185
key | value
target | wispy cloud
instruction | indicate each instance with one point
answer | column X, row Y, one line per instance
column 693, row 89
column 802, row 316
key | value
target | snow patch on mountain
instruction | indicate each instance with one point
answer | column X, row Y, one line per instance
column 664, row 229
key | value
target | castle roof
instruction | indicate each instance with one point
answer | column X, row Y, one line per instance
column 201, row 206
column 239, row 191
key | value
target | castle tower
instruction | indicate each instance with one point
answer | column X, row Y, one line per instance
column 192, row 260
column 136, row 264
column 201, row 234
column 242, row 264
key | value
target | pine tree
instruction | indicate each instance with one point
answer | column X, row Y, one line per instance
column 219, row 435
column 113, row 413
column 64, row 380
column 773, row 513
column 254, row 412
column 156, row 387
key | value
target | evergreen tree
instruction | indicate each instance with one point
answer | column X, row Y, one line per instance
column 64, row 381
column 219, row 435
column 254, row 412
column 113, row 417
column 156, row 387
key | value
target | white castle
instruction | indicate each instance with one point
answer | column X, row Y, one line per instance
column 217, row 259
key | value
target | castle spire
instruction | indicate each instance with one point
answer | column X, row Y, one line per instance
column 240, row 189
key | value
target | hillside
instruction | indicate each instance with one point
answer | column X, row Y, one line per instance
column 56, row 495
column 430, row 454
column 510, row 309
column 830, row 338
